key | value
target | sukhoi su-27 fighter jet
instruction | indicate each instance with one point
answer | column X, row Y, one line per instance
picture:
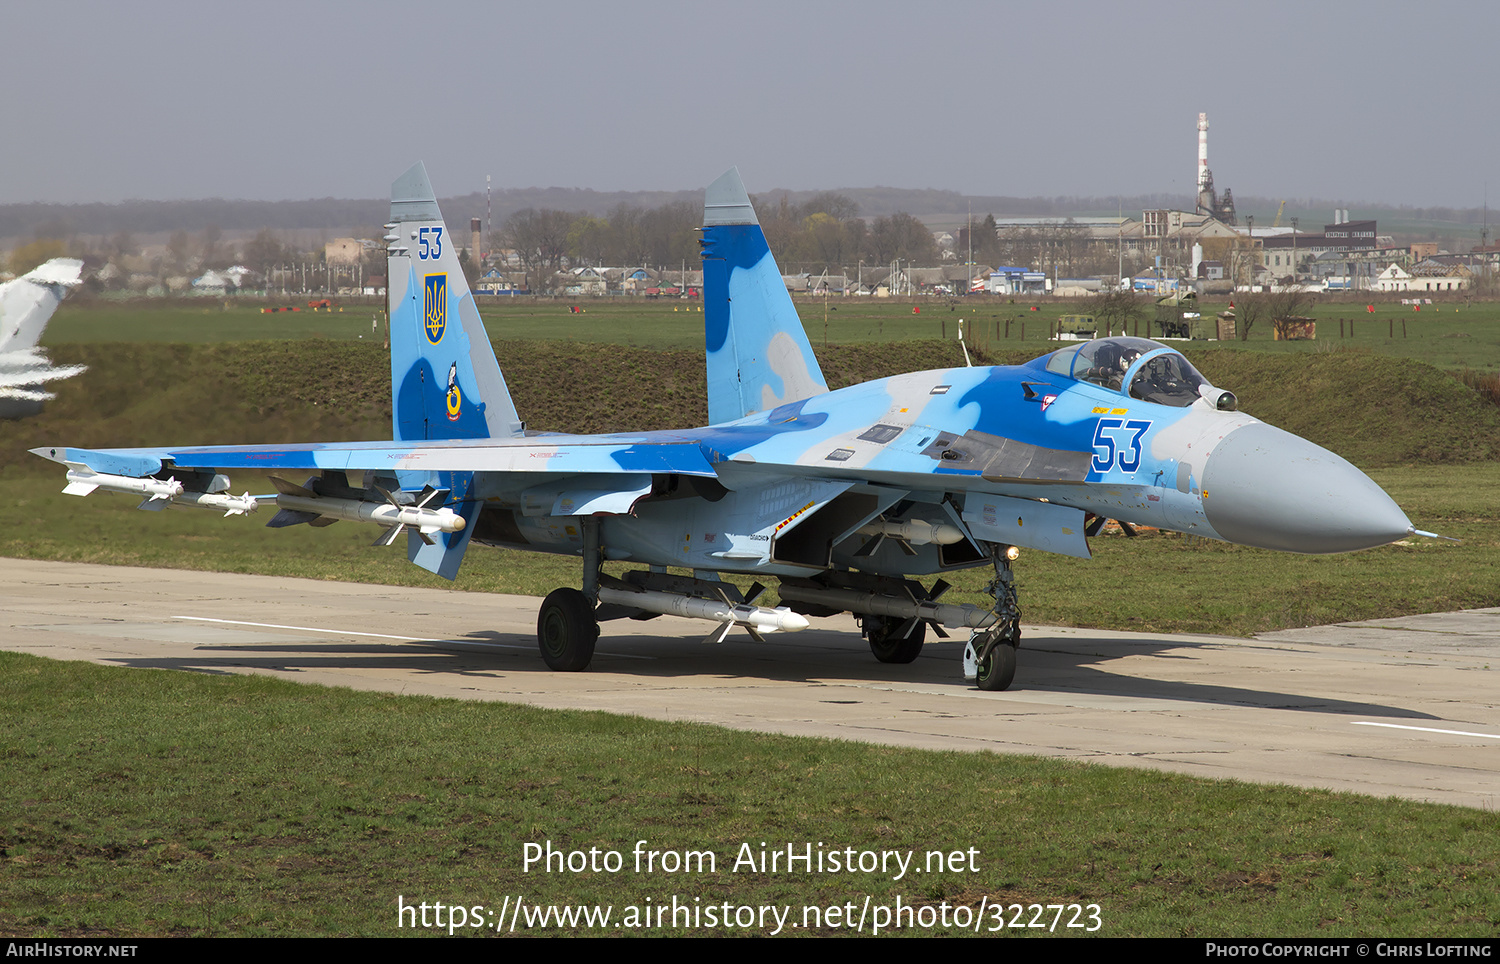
column 846, row 497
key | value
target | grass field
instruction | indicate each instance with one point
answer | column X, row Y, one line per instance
column 172, row 804
column 1448, row 334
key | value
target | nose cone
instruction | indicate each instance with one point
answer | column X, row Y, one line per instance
column 1268, row 488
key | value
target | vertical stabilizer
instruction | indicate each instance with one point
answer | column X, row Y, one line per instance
column 445, row 382
column 27, row 303
column 758, row 353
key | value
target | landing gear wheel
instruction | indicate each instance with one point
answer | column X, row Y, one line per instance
column 997, row 667
column 566, row 630
column 882, row 632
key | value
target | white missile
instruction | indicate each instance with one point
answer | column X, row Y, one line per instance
column 881, row 604
column 426, row 521
column 230, row 504
column 82, row 480
column 918, row 532
column 757, row 619
column 158, row 492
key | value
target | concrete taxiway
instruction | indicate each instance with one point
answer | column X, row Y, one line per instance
column 1398, row 707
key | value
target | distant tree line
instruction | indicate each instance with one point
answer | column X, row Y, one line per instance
column 49, row 220
column 825, row 230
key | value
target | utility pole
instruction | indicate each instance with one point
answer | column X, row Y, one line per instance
column 1295, row 279
column 1250, row 261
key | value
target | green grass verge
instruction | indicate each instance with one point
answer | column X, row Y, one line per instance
column 1449, row 334
column 1372, row 409
column 156, row 803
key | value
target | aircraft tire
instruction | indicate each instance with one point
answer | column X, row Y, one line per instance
column 566, row 631
column 997, row 668
column 882, row 629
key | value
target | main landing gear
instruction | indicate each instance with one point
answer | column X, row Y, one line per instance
column 567, row 627
column 893, row 639
column 566, row 630
column 893, row 613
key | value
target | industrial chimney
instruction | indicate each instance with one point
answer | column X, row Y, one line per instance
column 1208, row 201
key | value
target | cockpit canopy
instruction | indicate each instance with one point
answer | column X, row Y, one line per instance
column 1140, row 368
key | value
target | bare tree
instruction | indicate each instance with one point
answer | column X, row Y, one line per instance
column 1248, row 309
column 1285, row 308
column 213, row 255
column 901, row 236
column 627, row 239
column 1121, row 306
column 540, row 237
column 177, row 250
column 265, row 251
column 588, row 240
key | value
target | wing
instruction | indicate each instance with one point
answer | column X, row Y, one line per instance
column 455, row 430
column 565, row 454
column 432, row 491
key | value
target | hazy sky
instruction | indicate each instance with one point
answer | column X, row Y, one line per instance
column 1346, row 101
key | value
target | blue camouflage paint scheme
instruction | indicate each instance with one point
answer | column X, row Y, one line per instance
column 421, row 404
column 1009, row 455
column 768, row 361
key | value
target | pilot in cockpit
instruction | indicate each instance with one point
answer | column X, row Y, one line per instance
column 1109, row 363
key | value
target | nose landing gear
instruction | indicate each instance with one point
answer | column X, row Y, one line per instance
column 990, row 655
